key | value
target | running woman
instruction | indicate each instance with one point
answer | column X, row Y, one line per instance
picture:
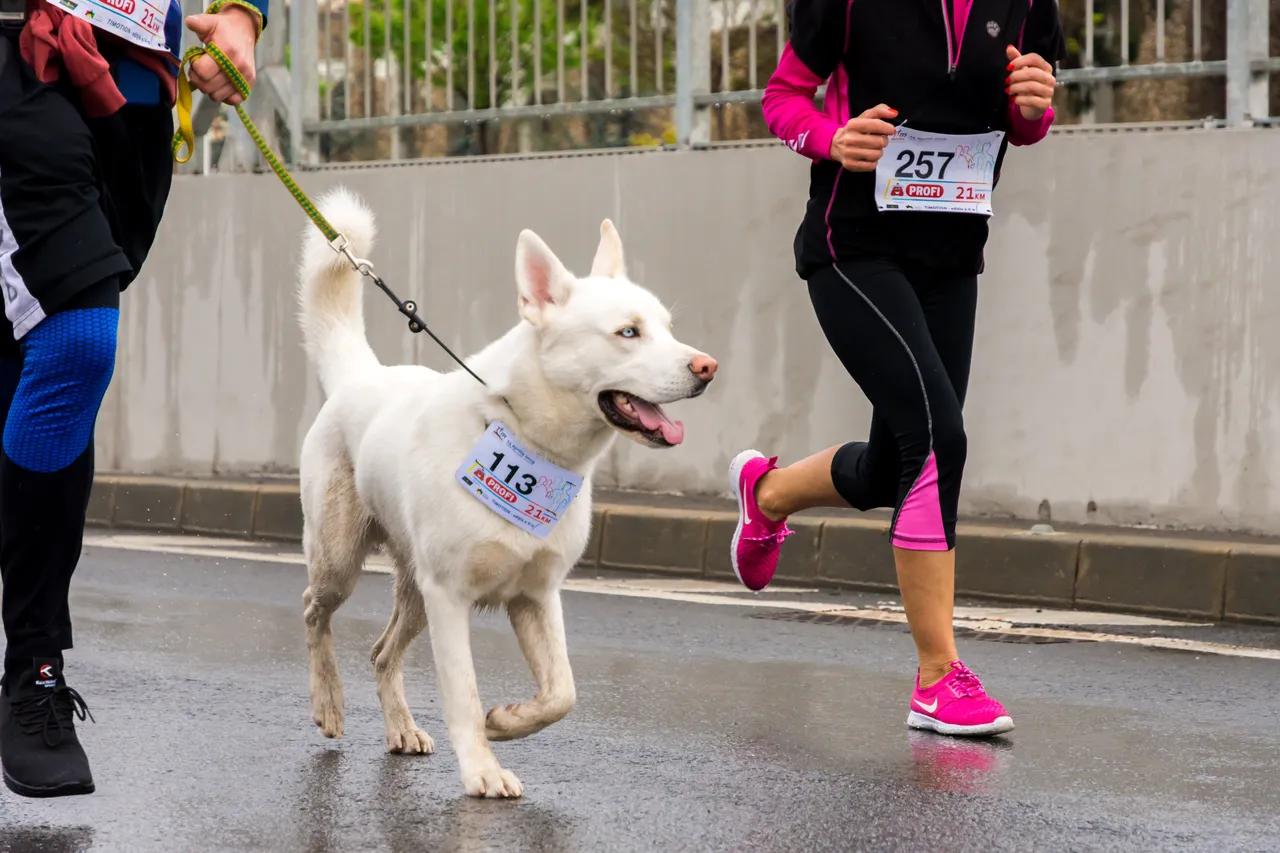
column 891, row 247
column 85, row 169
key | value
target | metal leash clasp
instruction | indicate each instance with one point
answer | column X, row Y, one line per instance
column 408, row 307
column 342, row 246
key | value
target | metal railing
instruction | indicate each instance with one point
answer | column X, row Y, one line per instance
column 1243, row 61
column 422, row 63
column 394, row 79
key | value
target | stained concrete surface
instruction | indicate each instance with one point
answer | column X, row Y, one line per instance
column 698, row 727
column 1126, row 369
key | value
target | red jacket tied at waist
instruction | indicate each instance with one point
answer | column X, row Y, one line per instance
column 55, row 43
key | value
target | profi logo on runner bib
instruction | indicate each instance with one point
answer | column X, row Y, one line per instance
column 140, row 22
column 516, row 483
column 938, row 172
column 917, row 191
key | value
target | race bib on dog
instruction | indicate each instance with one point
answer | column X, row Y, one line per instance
column 517, row 483
column 938, row 172
column 138, row 21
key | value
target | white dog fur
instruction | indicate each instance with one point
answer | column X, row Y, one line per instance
column 378, row 470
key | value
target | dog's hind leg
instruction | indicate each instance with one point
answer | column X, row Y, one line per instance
column 539, row 626
column 337, row 537
column 408, row 618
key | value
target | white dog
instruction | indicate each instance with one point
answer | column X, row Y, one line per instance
column 591, row 357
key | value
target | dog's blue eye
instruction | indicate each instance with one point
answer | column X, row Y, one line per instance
column 629, row 332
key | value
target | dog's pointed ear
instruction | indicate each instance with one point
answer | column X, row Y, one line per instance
column 609, row 261
column 541, row 280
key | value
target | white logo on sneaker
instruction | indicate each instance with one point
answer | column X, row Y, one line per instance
column 746, row 513
column 928, row 709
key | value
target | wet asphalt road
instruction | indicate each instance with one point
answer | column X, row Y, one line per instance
column 699, row 727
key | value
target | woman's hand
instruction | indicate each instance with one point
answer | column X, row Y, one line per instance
column 1030, row 83
column 859, row 144
column 236, row 33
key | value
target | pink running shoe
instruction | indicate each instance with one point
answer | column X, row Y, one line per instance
column 958, row 705
column 758, row 541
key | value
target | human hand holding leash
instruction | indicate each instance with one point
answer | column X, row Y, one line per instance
column 1030, row 83
column 859, row 145
column 235, row 30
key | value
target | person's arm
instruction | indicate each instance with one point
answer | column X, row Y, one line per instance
column 1041, row 46
column 818, row 37
column 790, row 112
column 234, row 25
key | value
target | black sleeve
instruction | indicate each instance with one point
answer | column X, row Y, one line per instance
column 1043, row 32
column 818, row 30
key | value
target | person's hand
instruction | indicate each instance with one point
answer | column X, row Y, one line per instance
column 235, row 31
column 1030, row 83
column 859, row 144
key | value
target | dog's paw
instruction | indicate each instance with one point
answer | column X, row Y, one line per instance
column 327, row 702
column 330, row 722
column 411, row 741
column 492, row 783
column 328, row 716
column 504, row 722
column 508, row 722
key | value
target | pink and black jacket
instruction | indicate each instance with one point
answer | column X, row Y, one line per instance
column 942, row 65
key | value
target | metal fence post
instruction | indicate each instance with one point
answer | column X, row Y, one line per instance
column 693, row 71
column 1247, row 42
column 1259, row 51
column 304, row 48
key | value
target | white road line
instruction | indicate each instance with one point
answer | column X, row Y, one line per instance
column 1003, row 620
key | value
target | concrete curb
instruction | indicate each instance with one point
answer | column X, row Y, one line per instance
column 1201, row 576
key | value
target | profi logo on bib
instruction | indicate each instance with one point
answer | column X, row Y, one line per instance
column 125, row 6
column 917, row 191
column 493, row 484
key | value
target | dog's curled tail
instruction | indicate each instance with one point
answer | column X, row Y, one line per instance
column 330, row 292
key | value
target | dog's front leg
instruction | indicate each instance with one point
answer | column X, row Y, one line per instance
column 449, row 623
column 539, row 626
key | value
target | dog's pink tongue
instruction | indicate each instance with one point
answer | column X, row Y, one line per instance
column 654, row 418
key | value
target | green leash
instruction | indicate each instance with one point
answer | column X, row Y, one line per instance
column 184, row 142
column 185, row 139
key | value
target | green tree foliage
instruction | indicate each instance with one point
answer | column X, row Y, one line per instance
column 457, row 23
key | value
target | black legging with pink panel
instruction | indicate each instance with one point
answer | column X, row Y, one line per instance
column 905, row 334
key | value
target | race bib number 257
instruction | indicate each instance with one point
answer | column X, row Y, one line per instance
column 938, row 172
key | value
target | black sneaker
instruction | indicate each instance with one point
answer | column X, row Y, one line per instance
column 39, row 750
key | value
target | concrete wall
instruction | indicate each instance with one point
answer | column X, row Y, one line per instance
column 1128, row 359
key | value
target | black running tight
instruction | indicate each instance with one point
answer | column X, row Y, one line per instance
column 905, row 334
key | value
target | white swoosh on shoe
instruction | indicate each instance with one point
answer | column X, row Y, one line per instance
column 928, row 709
